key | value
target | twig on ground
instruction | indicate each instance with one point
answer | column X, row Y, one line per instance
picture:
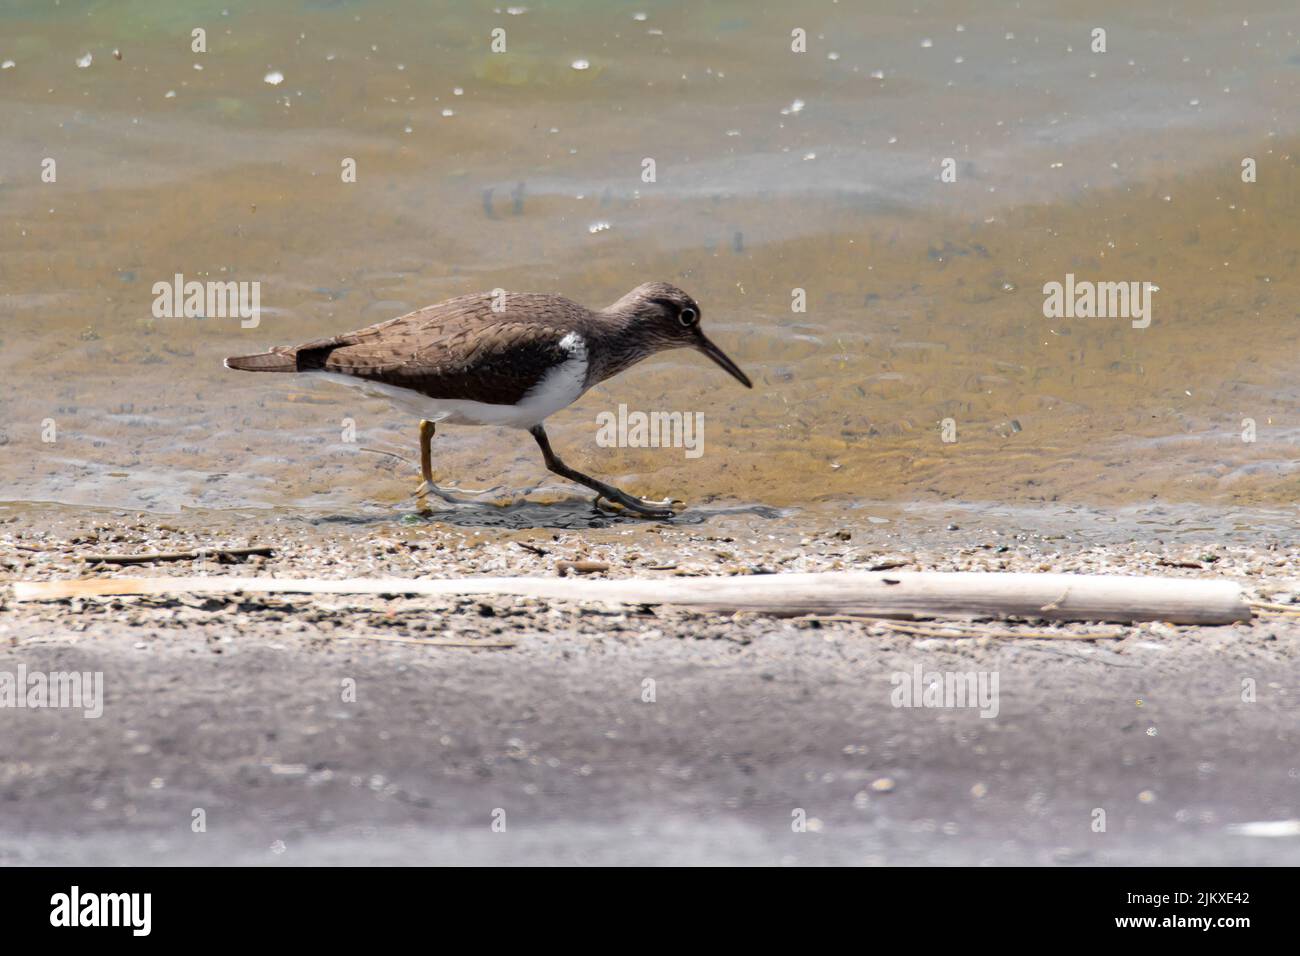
column 1276, row 608
column 580, row 567
column 195, row 555
column 889, row 565
column 429, row 641
column 960, row 629
column 390, row 454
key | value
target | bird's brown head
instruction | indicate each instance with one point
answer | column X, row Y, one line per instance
column 662, row 316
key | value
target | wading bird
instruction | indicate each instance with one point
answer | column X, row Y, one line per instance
column 504, row 359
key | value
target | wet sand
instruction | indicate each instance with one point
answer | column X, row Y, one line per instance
column 924, row 299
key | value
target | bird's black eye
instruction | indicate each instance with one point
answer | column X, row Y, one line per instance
column 687, row 317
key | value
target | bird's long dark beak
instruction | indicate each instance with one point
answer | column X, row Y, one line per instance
column 715, row 353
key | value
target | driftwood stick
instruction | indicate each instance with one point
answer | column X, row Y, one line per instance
column 893, row 594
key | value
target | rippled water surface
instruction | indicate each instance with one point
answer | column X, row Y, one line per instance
column 775, row 171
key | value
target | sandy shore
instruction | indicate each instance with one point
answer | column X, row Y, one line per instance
column 239, row 707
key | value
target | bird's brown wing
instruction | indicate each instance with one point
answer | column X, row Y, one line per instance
column 460, row 348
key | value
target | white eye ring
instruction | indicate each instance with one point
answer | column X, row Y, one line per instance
column 687, row 317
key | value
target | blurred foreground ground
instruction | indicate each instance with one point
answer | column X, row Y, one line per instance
column 236, row 707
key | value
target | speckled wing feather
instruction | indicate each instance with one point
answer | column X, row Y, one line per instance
column 456, row 349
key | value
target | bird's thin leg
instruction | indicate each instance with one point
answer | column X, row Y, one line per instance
column 426, row 458
column 654, row 509
column 426, row 466
column 426, row 471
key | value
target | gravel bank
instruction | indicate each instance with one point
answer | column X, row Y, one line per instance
column 612, row 734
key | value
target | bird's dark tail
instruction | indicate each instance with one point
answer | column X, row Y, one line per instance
column 277, row 360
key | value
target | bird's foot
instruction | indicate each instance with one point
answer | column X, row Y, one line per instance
column 426, row 488
column 643, row 507
column 497, row 496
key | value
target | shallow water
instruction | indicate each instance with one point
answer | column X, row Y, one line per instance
column 775, row 171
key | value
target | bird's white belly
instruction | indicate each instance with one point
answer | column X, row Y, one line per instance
column 560, row 387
